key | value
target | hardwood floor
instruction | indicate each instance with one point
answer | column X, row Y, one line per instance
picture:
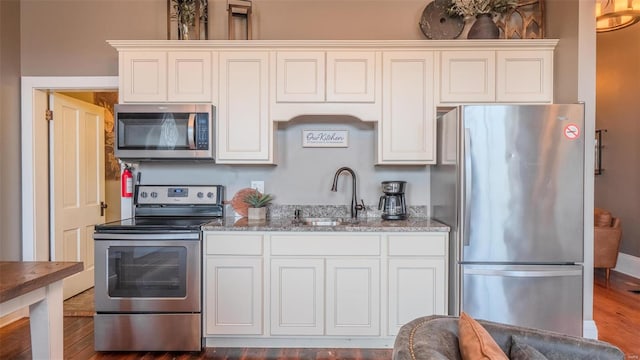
column 78, row 345
column 616, row 312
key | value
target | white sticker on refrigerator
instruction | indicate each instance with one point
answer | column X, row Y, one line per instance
column 571, row 131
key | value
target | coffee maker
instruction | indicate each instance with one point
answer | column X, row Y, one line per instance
column 392, row 203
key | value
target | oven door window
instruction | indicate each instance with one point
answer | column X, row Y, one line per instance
column 147, row 271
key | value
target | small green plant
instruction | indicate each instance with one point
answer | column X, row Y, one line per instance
column 471, row 8
column 258, row 200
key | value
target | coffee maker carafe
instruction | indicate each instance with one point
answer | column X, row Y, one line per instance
column 392, row 202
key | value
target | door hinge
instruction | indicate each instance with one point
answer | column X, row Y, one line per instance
column 49, row 115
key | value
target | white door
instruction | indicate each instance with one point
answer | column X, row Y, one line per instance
column 77, row 185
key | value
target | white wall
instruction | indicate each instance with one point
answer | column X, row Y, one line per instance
column 10, row 130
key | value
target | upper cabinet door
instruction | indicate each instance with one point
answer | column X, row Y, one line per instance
column 525, row 76
column 351, row 76
column 407, row 128
column 143, row 76
column 245, row 134
column 189, row 76
column 300, row 76
column 468, row 76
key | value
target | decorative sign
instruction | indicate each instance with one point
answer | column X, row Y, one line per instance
column 571, row 131
column 325, row 138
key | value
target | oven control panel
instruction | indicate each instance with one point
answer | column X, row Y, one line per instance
column 179, row 194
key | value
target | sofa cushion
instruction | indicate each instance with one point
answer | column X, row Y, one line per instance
column 523, row 351
column 475, row 342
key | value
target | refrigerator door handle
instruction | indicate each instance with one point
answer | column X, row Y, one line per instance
column 468, row 181
column 522, row 274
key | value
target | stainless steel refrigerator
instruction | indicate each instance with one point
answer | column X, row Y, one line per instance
column 509, row 183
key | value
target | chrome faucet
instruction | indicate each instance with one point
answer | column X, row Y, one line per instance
column 355, row 207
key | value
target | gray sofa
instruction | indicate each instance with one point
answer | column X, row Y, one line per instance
column 436, row 337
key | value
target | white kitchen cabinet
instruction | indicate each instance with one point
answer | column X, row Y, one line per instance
column 244, row 130
column 300, row 76
column 511, row 75
column 233, row 281
column 524, row 76
column 417, row 277
column 233, row 295
column 189, row 76
column 416, row 288
column 161, row 76
column 352, row 296
column 325, row 284
column 143, row 76
column 320, row 289
column 468, row 76
column 406, row 132
column 331, row 76
column 351, row 76
column 297, row 296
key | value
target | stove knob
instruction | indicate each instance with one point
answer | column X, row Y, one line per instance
column 154, row 194
column 143, row 194
column 200, row 195
column 210, row 195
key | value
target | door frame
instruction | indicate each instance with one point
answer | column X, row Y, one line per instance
column 35, row 219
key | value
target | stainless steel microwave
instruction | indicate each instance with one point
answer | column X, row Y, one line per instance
column 164, row 131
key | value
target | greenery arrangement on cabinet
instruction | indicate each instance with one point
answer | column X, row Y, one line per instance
column 473, row 8
column 483, row 10
column 191, row 19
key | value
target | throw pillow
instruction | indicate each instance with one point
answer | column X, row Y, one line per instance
column 475, row 342
column 523, row 351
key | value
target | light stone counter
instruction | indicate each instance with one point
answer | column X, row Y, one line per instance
column 413, row 224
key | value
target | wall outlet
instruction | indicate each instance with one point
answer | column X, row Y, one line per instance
column 258, row 185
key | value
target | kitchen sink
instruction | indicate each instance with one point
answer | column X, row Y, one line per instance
column 325, row 221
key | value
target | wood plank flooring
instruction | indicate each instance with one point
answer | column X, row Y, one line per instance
column 616, row 312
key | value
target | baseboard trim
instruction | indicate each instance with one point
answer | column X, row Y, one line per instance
column 589, row 329
column 628, row 264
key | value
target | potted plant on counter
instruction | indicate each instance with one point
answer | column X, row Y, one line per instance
column 258, row 203
column 483, row 11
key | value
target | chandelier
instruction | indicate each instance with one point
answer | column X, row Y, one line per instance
column 616, row 14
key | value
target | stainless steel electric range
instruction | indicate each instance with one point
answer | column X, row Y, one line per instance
column 148, row 291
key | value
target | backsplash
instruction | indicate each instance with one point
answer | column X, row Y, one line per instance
column 304, row 175
column 332, row 211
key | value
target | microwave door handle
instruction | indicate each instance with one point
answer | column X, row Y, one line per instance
column 191, row 131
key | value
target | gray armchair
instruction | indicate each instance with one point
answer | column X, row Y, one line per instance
column 436, row 337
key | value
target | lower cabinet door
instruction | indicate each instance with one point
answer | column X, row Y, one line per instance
column 417, row 287
column 353, row 297
column 297, row 296
column 233, row 299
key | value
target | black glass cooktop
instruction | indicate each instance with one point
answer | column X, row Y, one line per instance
column 155, row 224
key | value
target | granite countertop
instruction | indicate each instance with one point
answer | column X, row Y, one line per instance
column 366, row 224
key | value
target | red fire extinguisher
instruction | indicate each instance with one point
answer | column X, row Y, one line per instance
column 127, row 182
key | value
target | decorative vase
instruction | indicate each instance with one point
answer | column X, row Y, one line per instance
column 483, row 28
column 257, row 214
column 188, row 19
